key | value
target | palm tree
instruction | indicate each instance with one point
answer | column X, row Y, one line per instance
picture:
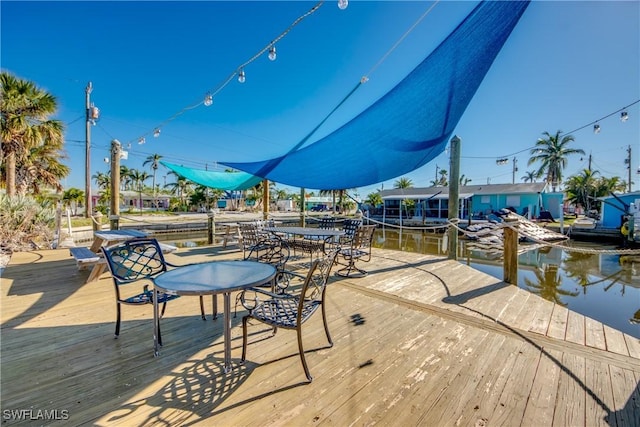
column 606, row 186
column 552, row 153
column 102, row 179
column 125, row 178
column 181, row 187
column 138, row 179
column 42, row 166
column 25, row 125
column 443, row 180
column 153, row 160
column 71, row 197
column 464, row 180
column 581, row 188
column 403, row 183
column 530, row 176
column 374, row 199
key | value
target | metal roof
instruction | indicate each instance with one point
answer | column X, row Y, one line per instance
column 464, row 190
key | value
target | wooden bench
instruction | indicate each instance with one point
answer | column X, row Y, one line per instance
column 85, row 258
column 231, row 235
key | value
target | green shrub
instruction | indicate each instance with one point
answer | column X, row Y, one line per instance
column 25, row 223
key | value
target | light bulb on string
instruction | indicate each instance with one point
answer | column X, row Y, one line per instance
column 272, row 53
column 208, row 100
column 141, row 141
column 596, row 128
column 241, row 76
column 342, row 4
column 624, row 116
column 156, row 133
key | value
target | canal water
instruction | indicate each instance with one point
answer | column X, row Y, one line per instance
column 598, row 284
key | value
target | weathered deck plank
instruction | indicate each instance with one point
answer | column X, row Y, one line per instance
column 575, row 328
column 420, row 341
column 571, row 393
column 544, row 391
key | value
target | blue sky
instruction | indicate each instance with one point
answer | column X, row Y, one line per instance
column 566, row 65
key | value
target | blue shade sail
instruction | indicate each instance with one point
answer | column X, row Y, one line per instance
column 411, row 124
column 220, row 180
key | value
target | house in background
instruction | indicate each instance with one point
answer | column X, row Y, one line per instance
column 615, row 209
column 431, row 204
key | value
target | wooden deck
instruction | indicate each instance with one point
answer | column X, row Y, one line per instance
column 420, row 341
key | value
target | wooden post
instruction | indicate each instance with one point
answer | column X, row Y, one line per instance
column 114, row 207
column 510, row 254
column 454, row 195
column 96, row 221
column 302, row 207
column 265, row 199
column 211, row 227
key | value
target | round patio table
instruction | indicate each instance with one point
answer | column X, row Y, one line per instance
column 211, row 278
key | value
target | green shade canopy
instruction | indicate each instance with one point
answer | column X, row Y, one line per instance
column 220, row 180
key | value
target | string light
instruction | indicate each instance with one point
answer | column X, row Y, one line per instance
column 156, row 133
column 272, row 53
column 342, row 4
column 596, row 128
column 622, row 112
column 208, row 100
column 241, row 76
column 141, row 141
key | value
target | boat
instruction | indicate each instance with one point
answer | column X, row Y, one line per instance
column 584, row 223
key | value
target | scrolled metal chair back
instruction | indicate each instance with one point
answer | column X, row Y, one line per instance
column 135, row 260
column 319, row 277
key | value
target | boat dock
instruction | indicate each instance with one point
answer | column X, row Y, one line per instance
column 422, row 340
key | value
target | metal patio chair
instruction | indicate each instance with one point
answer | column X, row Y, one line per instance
column 359, row 249
column 136, row 262
column 254, row 238
column 274, row 252
column 349, row 226
column 293, row 306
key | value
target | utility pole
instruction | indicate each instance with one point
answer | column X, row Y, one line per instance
column 628, row 162
column 114, row 207
column 92, row 114
column 87, row 158
column 435, row 182
column 515, row 169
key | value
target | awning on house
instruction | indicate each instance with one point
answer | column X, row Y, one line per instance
column 441, row 196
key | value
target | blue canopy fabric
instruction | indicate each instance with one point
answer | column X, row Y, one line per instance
column 220, row 180
column 411, row 124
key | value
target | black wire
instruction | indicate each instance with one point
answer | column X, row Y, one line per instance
column 562, row 134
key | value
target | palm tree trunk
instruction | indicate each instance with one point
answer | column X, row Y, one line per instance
column 155, row 201
column 11, row 173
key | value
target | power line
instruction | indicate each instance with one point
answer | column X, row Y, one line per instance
column 602, row 118
column 619, row 110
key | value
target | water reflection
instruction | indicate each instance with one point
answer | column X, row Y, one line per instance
column 548, row 284
column 597, row 285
